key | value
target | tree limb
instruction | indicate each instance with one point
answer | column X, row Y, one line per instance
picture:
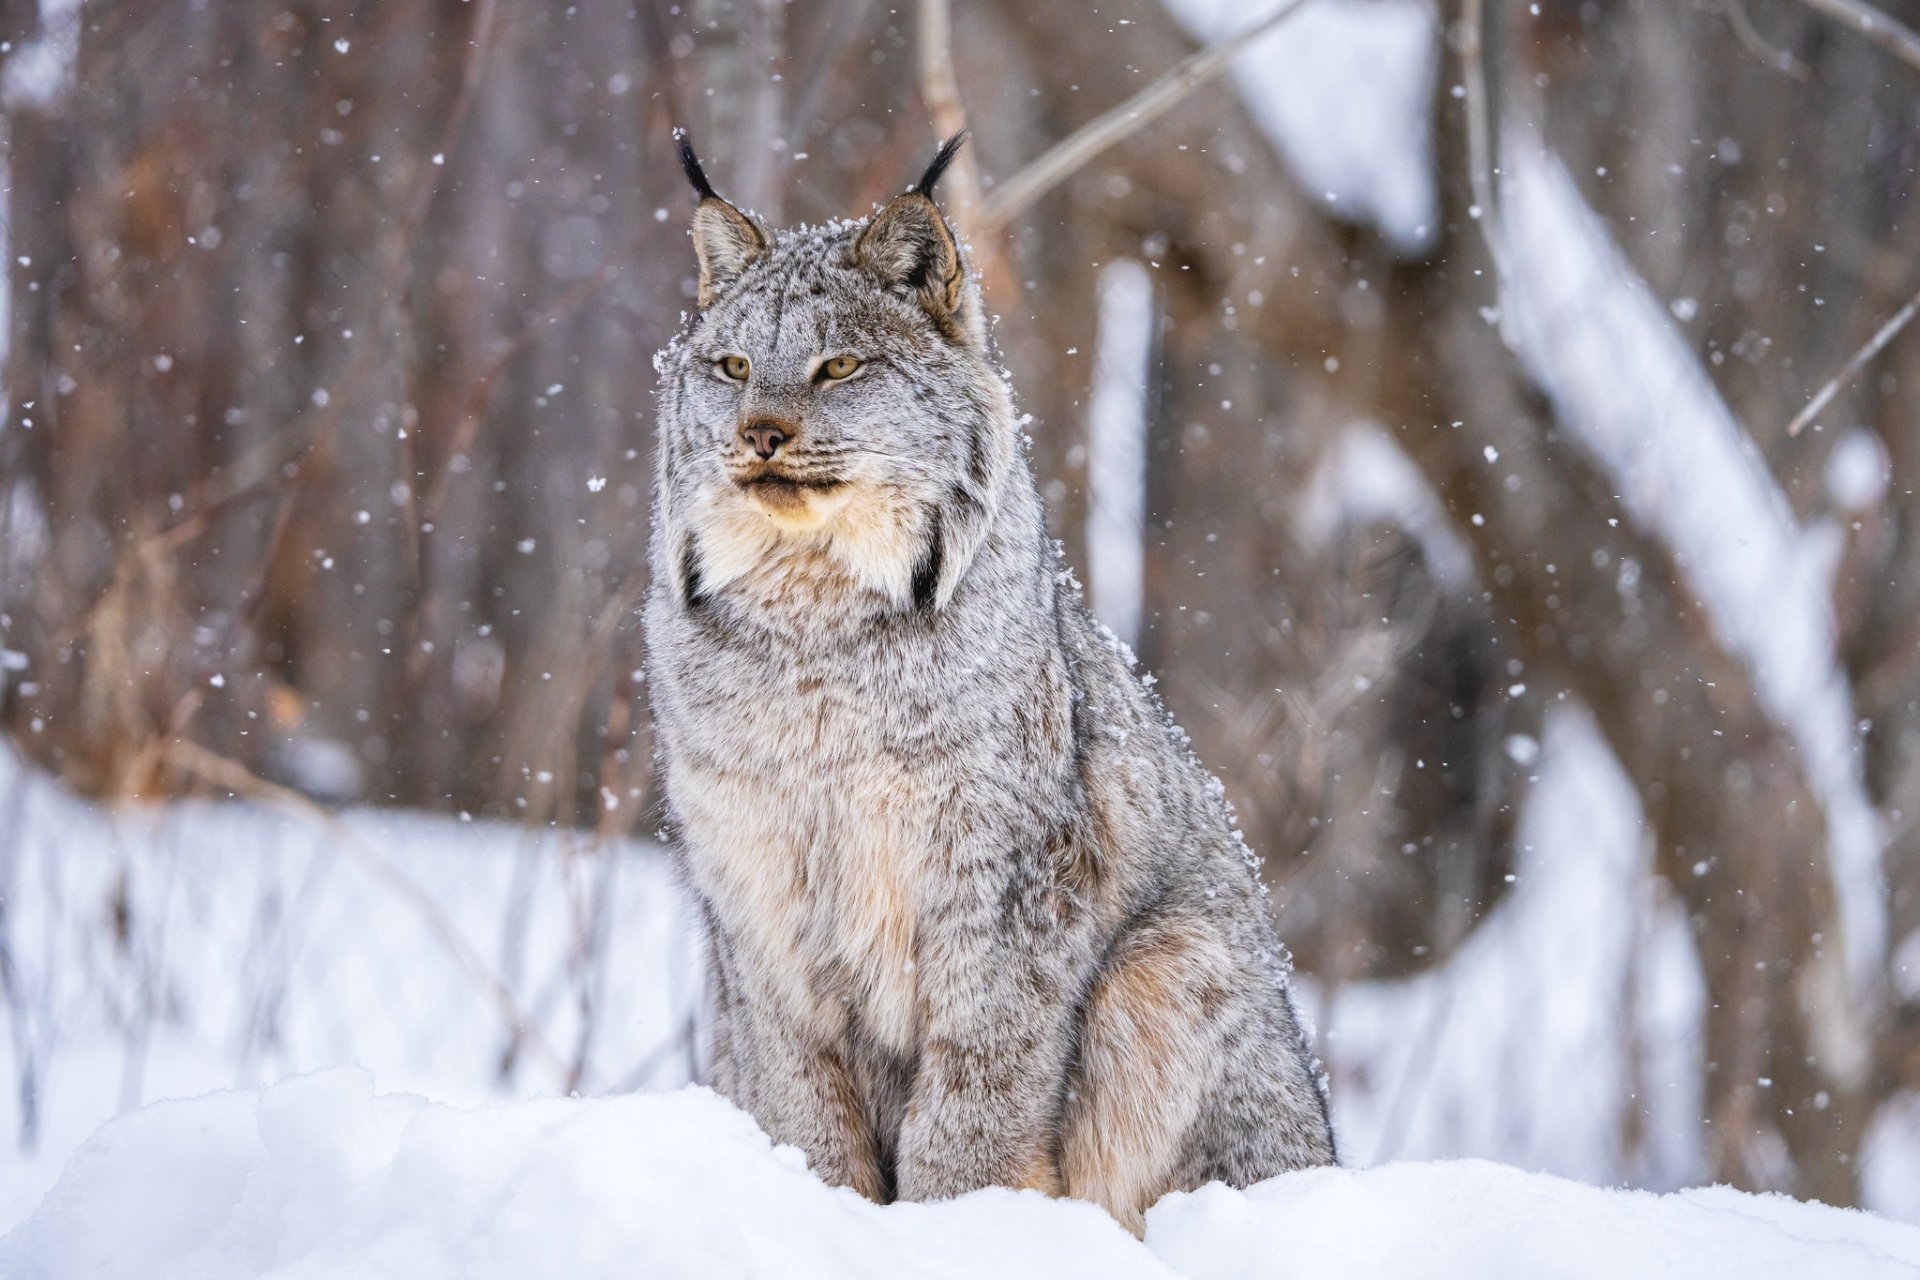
column 1486, row 200
column 1848, row 371
column 1758, row 45
column 941, row 89
column 1066, row 157
column 389, row 286
column 1875, row 24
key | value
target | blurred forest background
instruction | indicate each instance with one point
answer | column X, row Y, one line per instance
column 1415, row 396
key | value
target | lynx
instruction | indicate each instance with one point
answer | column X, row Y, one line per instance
column 977, row 916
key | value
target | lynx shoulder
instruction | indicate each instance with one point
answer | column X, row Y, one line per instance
column 977, row 916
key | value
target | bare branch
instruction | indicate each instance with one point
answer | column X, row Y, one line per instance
column 941, row 90
column 480, row 393
column 210, row 766
column 1066, row 157
column 1486, row 204
column 824, row 66
column 1877, row 343
column 388, row 288
column 1761, row 48
column 765, row 28
column 1875, row 24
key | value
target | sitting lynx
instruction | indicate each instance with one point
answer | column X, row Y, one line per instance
column 977, row 916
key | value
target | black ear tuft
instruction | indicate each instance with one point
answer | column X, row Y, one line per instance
column 726, row 240
column 941, row 159
column 691, row 164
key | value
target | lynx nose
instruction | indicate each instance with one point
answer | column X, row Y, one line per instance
column 764, row 437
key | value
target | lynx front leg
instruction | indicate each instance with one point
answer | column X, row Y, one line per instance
column 801, row 1092
column 1152, row 1045
column 982, row 1111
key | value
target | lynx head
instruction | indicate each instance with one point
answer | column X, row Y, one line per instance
column 832, row 397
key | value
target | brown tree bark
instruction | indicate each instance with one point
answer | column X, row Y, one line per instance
column 1740, row 833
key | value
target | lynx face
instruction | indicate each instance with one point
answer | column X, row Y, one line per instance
column 810, row 381
column 833, row 397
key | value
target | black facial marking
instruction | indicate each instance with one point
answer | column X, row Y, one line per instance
column 779, row 310
column 977, row 468
column 690, row 572
column 926, row 574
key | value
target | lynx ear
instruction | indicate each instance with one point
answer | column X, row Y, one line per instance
column 909, row 245
column 725, row 239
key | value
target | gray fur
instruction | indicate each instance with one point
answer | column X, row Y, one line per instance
column 978, row 916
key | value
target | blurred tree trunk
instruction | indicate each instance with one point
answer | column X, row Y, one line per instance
column 313, row 361
column 1791, row 244
column 1314, row 704
column 1740, row 832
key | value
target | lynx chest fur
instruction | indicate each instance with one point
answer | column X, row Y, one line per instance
column 817, row 878
column 822, row 785
column 977, row 917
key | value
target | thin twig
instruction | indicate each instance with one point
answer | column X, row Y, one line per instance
column 192, row 758
column 1875, row 345
column 1763, row 49
column 824, row 70
column 762, row 97
column 203, row 507
column 1066, row 157
column 1417, row 1069
column 643, row 1072
column 1875, row 24
column 940, row 88
column 389, row 288
column 480, row 392
column 1486, row 203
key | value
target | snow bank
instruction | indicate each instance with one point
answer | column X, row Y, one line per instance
column 165, row 951
column 322, row 1176
column 1472, row 1218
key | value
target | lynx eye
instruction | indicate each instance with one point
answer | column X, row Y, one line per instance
column 734, row 367
column 839, row 367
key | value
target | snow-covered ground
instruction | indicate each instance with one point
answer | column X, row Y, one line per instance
column 164, row 951
column 325, row 1176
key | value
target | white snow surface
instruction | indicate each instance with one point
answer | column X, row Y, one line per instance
column 261, row 945
column 162, row 951
column 323, row 1176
